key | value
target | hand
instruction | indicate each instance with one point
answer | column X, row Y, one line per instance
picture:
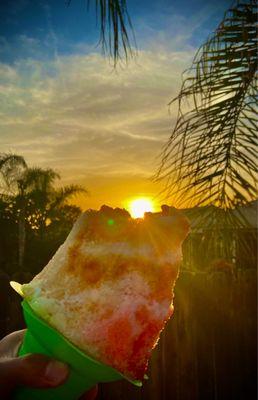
column 33, row 370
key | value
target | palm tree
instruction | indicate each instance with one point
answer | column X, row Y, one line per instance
column 210, row 157
column 12, row 166
column 33, row 196
column 44, row 200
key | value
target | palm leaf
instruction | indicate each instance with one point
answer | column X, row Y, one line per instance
column 210, row 157
column 63, row 194
column 39, row 180
column 114, row 20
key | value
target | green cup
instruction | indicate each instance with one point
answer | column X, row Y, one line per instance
column 85, row 372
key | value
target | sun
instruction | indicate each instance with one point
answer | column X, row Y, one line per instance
column 138, row 207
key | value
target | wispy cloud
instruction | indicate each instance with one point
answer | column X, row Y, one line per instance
column 81, row 98
column 93, row 123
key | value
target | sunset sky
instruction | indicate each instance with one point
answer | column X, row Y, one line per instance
column 64, row 106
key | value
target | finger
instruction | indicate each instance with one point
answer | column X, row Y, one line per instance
column 34, row 370
column 10, row 344
column 91, row 394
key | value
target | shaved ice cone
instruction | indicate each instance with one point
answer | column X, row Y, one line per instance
column 103, row 299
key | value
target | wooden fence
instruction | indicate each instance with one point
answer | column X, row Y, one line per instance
column 208, row 349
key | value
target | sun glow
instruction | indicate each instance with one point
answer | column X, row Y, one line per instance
column 138, row 207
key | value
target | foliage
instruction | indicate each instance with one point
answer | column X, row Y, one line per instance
column 12, row 167
column 113, row 18
column 210, row 157
column 35, row 216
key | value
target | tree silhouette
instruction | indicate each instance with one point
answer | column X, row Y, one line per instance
column 32, row 198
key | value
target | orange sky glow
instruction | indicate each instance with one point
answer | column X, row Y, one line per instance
column 118, row 192
column 99, row 127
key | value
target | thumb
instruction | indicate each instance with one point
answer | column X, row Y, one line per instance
column 34, row 370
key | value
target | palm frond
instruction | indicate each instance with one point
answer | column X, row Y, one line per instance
column 63, row 194
column 39, row 179
column 210, row 157
column 115, row 25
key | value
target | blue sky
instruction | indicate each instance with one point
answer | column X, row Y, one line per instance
column 57, row 27
column 62, row 104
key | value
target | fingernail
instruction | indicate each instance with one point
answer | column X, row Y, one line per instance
column 56, row 372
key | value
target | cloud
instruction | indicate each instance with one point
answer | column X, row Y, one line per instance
column 167, row 26
column 87, row 117
column 76, row 114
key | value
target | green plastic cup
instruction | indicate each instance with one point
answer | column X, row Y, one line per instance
column 85, row 372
